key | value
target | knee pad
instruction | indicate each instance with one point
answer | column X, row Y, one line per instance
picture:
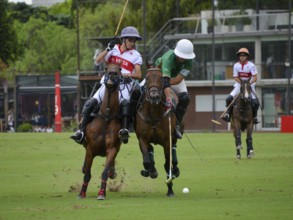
column 89, row 106
column 184, row 100
column 255, row 103
column 136, row 93
column 229, row 99
column 125, row 107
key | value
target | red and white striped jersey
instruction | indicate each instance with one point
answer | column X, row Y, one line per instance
column 244, row 71
column 128, row 59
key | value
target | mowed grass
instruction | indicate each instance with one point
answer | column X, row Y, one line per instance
column 41, row 175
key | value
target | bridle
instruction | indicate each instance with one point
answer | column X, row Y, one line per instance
column 154, row 89
column 245, row 90
column 244, row 96
column 112, row 80
column 153, row 94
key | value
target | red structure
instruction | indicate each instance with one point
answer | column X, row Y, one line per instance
column 287, row 124
column 58, row 125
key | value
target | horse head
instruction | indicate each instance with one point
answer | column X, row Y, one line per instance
column 154, row 85
column 245, row 90
column 112, row 75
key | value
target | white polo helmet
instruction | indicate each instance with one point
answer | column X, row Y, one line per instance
column 130, row 32
column 184, row 49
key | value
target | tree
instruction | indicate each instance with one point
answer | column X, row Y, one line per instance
column 8, row 38
column 48, row 47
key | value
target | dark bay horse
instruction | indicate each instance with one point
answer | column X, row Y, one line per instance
column 102, row 132
column 242, row 119
column 152, row 127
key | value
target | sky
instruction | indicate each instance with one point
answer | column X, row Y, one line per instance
column 28, row 2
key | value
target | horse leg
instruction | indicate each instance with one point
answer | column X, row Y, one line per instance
column 87, row 174
column 147, row 151
column 250, row 152
column 83, row 166
column 237, row 136
column 112, row 172
column 152, row 169
column 170, row 189
column 167, row 160
column 110, row 160
column 175, row 168
column 145, row 158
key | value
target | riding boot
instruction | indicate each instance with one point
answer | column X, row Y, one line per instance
column 180, row 112
column 255, row 107
column 227, row 116
column 134, row 100
column 125, row 113
column 88, row 107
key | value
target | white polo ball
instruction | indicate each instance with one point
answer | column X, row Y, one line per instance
column 185, row 190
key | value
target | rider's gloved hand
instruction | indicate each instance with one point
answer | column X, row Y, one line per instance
column 168, row 104
column 127, row 79
column 111, row 45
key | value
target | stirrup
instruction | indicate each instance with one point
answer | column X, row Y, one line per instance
column 78, row 137
column 178, row 132
column 256, row 121
column 124, row 135
column 226, row 117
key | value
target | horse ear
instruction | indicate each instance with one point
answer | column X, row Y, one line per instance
column 149, row 65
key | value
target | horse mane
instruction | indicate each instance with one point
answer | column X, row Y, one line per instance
column 154, row 69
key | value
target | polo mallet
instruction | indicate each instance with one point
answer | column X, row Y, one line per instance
column 169, row 180
column 117, row 29
column 217, row 121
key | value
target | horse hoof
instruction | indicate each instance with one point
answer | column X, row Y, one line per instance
column 144, row 173
column 154, row 175
column 238, row 157
column 112, row 175
column 176, row 172
column 170, row 194
column 251, row 154
column 101, row 197
column 101, row 194
column 81, row 196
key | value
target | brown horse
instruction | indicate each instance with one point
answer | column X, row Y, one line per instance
column 242, row 118
column 152, row 125
column 102, row 132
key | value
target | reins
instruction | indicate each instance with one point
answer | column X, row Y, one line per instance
column 242, row 103
column 142, row 112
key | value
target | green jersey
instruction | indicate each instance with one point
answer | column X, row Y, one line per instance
column 171, row 67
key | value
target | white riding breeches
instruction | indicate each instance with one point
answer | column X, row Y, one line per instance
column 179, row 88
column 236, row 90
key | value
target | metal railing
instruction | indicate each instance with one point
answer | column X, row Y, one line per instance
column 223, row 24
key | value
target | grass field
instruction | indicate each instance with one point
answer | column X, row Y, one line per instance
column 41, row 175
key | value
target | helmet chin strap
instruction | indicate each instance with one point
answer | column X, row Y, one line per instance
column 124, row 42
